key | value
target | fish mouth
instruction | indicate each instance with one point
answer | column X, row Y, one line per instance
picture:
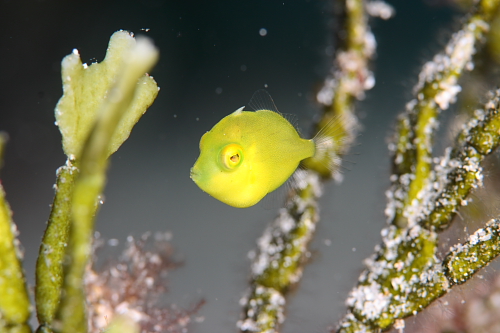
column 193, row 174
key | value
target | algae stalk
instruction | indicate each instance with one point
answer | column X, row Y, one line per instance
column 435, row 91
column 15, row 308
column 404, row 275
column 100, row 105
column 283, row 248
column 89, row 184
column 49, row 268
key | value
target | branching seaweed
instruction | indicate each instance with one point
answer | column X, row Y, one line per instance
column 100, row 105
column 282, row 249
column 436, row 89
column 15, row 305
column 404, row 275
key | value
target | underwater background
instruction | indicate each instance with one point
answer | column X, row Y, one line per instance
column 213, row 56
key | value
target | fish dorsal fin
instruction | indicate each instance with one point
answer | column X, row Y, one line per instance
column 261, row 100
column 240, row 110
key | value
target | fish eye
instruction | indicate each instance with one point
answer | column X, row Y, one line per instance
column 231, row 156
column 235, row 158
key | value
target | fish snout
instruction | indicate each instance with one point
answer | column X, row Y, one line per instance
column 193, row 174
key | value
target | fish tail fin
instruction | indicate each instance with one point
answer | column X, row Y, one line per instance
column 333, row 139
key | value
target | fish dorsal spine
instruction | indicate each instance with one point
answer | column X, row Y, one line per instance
column 240, row 110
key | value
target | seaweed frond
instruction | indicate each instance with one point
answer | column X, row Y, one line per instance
column 100, row 105
column 15, row 307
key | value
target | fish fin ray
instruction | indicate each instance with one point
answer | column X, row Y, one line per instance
column 330, row 147
column 261, row 100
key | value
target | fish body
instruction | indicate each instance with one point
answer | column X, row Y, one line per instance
column 249, row 154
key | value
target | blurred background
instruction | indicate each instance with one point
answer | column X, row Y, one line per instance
column 213, row 56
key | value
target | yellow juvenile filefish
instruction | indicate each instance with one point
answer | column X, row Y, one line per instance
column 249, row 154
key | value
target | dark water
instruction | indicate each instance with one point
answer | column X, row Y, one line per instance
column 212, row 60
